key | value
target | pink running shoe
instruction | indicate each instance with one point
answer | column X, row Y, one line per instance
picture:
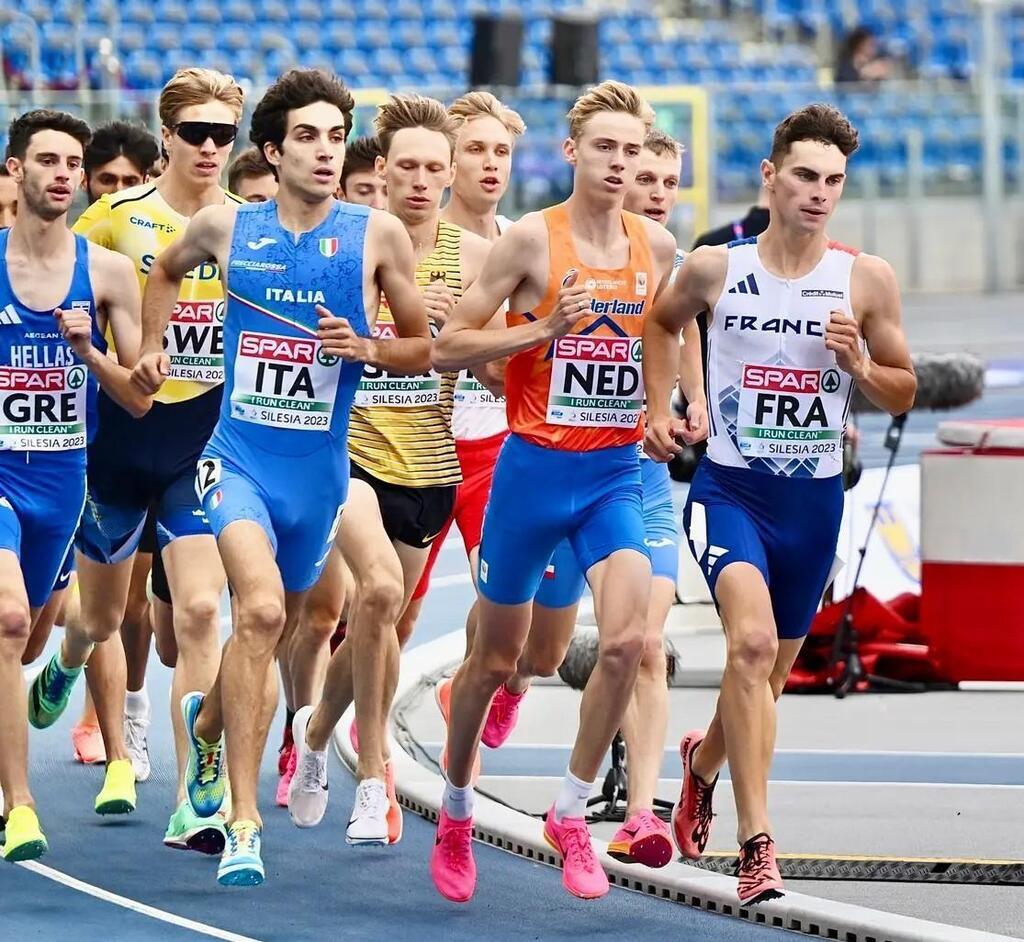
column 643, row 839
column 582, row 875
column 452, row 867
column 758, row 871
column 281, row 798
column 88, row 744
column 502, row 717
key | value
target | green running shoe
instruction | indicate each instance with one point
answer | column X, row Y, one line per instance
column 49, row 694
column 206, row 773
column 186, row 831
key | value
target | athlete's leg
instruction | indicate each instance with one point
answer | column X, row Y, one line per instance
column 645, row 721
column 551, row 632
column 308, row 650
column 15, row 625
column 196, row 579
column 43, row 627
column 357, row 668
column 136, row 629
column 621, row 588
column 104, row 590
column 236, row 705
column 161, row 616
column 710, row 756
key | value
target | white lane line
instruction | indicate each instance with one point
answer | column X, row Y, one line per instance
column 134, row 905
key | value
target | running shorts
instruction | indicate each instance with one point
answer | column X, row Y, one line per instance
column 787, row 528
column 415, row 516
column 541, row 496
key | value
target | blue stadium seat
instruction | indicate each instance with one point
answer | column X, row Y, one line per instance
column 58, row 56
column 205, row 11
column 235, row 37
column 199, row 38
column 163, row 37
column 173, row 11
column 306, row 38
column 308, row 11
column 239, row 11
column 339, row 36
column 142, row 70
column 274, row 11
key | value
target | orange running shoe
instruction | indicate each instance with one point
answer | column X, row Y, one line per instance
column 758, row 871
column 88, row 744
column 693, row 814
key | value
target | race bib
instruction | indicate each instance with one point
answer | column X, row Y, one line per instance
column 783, row 414
column 194, row 341
column 284, row 382
column 43, row 409
column 596, row 381
column 378, row 387
column 471, row 393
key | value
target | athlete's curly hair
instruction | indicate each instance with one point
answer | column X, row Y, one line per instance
column 43, row 119
column 816, row 122
column 360, row 157
column 297, row 88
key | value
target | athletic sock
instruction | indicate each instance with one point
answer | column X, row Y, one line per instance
column 572, row 797
column 458, row 802
column 136, row 703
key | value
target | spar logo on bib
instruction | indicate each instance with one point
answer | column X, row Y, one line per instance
column 596, row 381
column 782, row 412
column 194, row 341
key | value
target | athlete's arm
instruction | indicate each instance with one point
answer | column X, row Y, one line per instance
column 202, row 241
column 675, row 310
column 466, row 341
column 885, row 374
column 94, row 223
column 117, row 295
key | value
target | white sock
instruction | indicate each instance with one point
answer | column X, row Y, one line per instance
column 136, row 703
column 458, row 802
column 572, row 797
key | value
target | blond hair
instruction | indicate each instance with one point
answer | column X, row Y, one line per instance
column 413, row 111
column 663, row 145
column 485, row 105
column 196, row 87
column 608, row 96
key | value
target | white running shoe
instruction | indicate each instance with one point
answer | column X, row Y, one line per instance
column 307, row 792
column 369, row 821
column 135, row 728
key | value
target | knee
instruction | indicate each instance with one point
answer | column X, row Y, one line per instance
column 380, row 600
column 652, row 658
column 621, row 656
column 319, row 623
column 260, row 622
column 540, row 661
column 753, row 649
column 196, row 618
column 778, row 680
column 494, row 670
column 14, row 624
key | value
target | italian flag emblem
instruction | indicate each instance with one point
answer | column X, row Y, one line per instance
column 328, row 248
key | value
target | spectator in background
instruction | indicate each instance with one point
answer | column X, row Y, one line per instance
column 860, row 58
column 118, row 156
column 250, row 177
column 360, row 181
column 8, row 197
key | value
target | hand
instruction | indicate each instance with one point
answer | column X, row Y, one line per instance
column 572, row 304
column 337, row 338
column 439, row 302
column 76, row 328
column 150, row 372
column 842, row 337
column 695, row 426
column 661, row 440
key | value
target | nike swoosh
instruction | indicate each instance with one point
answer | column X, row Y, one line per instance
column 431, row 538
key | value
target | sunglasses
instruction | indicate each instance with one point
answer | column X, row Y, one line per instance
column 197, row 133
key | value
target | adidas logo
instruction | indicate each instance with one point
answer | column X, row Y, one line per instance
column 9, row 316
column 747, row 286
column 715, row 553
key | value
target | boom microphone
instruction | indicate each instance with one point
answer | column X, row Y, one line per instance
column 944, row 381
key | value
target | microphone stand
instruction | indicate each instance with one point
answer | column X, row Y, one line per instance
column 846, row 646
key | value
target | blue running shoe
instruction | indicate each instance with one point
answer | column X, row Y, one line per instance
column 241, row 865
column 206, row 774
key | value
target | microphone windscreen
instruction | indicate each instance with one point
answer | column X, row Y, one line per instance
column 580, row 659
column 944, row 381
